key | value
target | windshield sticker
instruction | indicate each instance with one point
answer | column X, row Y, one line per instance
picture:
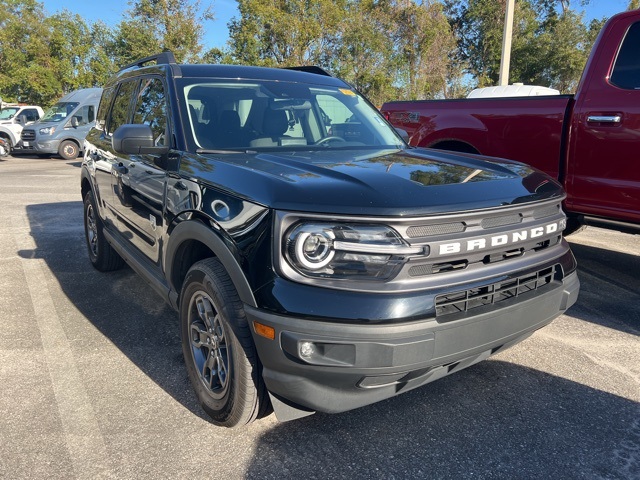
column 347, row 92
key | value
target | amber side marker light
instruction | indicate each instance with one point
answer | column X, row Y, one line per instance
column 264, row 330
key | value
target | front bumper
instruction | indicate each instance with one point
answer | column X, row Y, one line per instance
column 352, row 365
column 46, row 146
column 38, row 146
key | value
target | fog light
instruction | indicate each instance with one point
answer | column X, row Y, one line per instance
column 307, row 349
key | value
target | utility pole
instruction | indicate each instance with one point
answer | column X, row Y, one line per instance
column 506, row 44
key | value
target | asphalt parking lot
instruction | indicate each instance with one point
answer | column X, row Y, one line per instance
column 93, row 383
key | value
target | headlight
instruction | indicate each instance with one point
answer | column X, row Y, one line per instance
column 346, row 251
column 47, row 131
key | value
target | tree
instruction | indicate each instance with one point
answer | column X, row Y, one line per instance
column 362, row 55
column 551, row 42
column 479, row 28
column 564, row 49
column 424, row 46
column 285, row 32
column 24, row 73
column 159, row 25
column 44, row 57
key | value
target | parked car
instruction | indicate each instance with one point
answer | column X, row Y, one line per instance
column 13, row 118
column 62, row 129
column 317, row 262
column 588, row 141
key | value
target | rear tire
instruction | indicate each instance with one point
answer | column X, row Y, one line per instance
column 102, row 256
column 219, row 353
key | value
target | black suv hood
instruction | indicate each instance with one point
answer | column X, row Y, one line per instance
column 407, row 182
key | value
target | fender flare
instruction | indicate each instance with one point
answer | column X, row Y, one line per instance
column 195, row 230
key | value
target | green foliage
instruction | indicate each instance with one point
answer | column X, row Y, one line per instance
column 388, row 49
column 361, row 52
column 284, row 32
column 385, row 48
column 159, row 25
column 424, row 44
column 43, row 59
column 551, row 42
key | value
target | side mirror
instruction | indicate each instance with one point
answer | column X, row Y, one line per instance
column 403, row 134
column 74, row 122
column 21, row 119
column 131, row 139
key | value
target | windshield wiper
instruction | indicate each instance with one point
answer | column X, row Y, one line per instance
column 207, row 150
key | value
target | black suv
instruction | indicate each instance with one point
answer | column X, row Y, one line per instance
column 317, row 262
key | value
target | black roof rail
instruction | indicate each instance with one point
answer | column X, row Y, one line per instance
column 310, row 69
column 160, row 59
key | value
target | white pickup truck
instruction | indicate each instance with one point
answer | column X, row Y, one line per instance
column 13, row 119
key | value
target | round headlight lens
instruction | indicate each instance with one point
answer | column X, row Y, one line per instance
column 314, row 250
column 341, row 251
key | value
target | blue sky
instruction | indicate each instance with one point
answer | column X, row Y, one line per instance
column 216, row 32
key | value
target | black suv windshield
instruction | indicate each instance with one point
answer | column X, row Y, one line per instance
column 59, row 111
column 257, row 115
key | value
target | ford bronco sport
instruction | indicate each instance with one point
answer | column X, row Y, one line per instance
column 317, row 262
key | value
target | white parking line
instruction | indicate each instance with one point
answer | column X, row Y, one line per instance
column 84, row 439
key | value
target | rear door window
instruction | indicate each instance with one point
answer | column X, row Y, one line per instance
column 626, row 71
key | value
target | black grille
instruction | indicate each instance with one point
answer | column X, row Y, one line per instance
column 501, row 221
column 450, row 304
column 546, row 212
column 28, row 135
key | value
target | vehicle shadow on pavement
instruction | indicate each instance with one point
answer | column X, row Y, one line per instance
column 119, row 304
column 497, row 419
column 493, row 420
column 609, row 288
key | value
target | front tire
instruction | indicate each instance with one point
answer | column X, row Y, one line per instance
column 68, row 150
column 102, row 256
column 219, row 353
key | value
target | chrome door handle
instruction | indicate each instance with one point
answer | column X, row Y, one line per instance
column 604, row 118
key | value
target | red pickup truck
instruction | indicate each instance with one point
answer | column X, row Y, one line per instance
column 590, row 141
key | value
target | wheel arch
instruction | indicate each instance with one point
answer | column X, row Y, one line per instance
column 191, row 241
column 454, row 145
column 85, row 185
column 6, row 133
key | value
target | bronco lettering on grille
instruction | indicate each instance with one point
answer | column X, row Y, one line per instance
column 510, row 238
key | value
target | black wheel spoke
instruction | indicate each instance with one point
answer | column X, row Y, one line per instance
column 218, row 330
column 222, row 360
column 205, row 310
column 209, row 369
column 199, row 335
